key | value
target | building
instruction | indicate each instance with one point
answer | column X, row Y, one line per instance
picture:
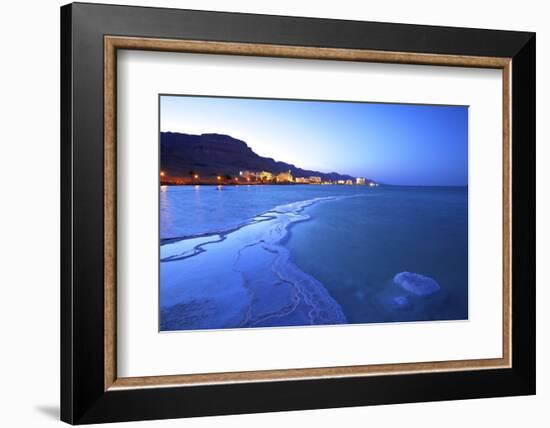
column 315, row 180
column 266, row 176
column 302, row 180
column 360, row 181
column 341, row 182
column 349, row 182
column 248, row 174
column 284, row 177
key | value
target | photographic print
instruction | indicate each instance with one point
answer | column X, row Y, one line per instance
column 294, row 213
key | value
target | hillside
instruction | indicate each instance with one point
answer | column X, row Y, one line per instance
column 214, row 154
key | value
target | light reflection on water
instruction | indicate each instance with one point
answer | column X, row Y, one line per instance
column 192, row 210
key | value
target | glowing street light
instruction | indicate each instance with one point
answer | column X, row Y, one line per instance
column 162, row 173
column 196, row 176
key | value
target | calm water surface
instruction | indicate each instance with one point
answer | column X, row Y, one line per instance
column 350, row 241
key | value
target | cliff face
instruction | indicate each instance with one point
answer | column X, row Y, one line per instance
column 216, row 154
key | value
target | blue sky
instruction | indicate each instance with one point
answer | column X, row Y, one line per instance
column 389, row 143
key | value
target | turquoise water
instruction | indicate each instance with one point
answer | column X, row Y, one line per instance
column 357, row 246
column 264, row 256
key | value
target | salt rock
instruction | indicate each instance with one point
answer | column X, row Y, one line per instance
column 417, row 284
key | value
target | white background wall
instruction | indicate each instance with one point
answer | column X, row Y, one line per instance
column 29, row 214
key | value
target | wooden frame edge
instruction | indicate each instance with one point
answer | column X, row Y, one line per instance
column 109, row 200
column 507, row 213
column 301, row 374
column 112, row 43
column 301, row 52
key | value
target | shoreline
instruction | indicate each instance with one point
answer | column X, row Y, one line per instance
column 255, row 184
column 268, row 215
column 283, row 295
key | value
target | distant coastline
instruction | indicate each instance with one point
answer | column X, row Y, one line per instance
column 217, row 159
column 182, row 181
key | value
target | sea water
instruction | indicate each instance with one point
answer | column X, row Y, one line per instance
column 288, row 255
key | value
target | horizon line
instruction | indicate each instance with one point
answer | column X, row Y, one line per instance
column 297, row 167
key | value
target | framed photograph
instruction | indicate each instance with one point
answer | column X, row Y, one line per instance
column 265, row 213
